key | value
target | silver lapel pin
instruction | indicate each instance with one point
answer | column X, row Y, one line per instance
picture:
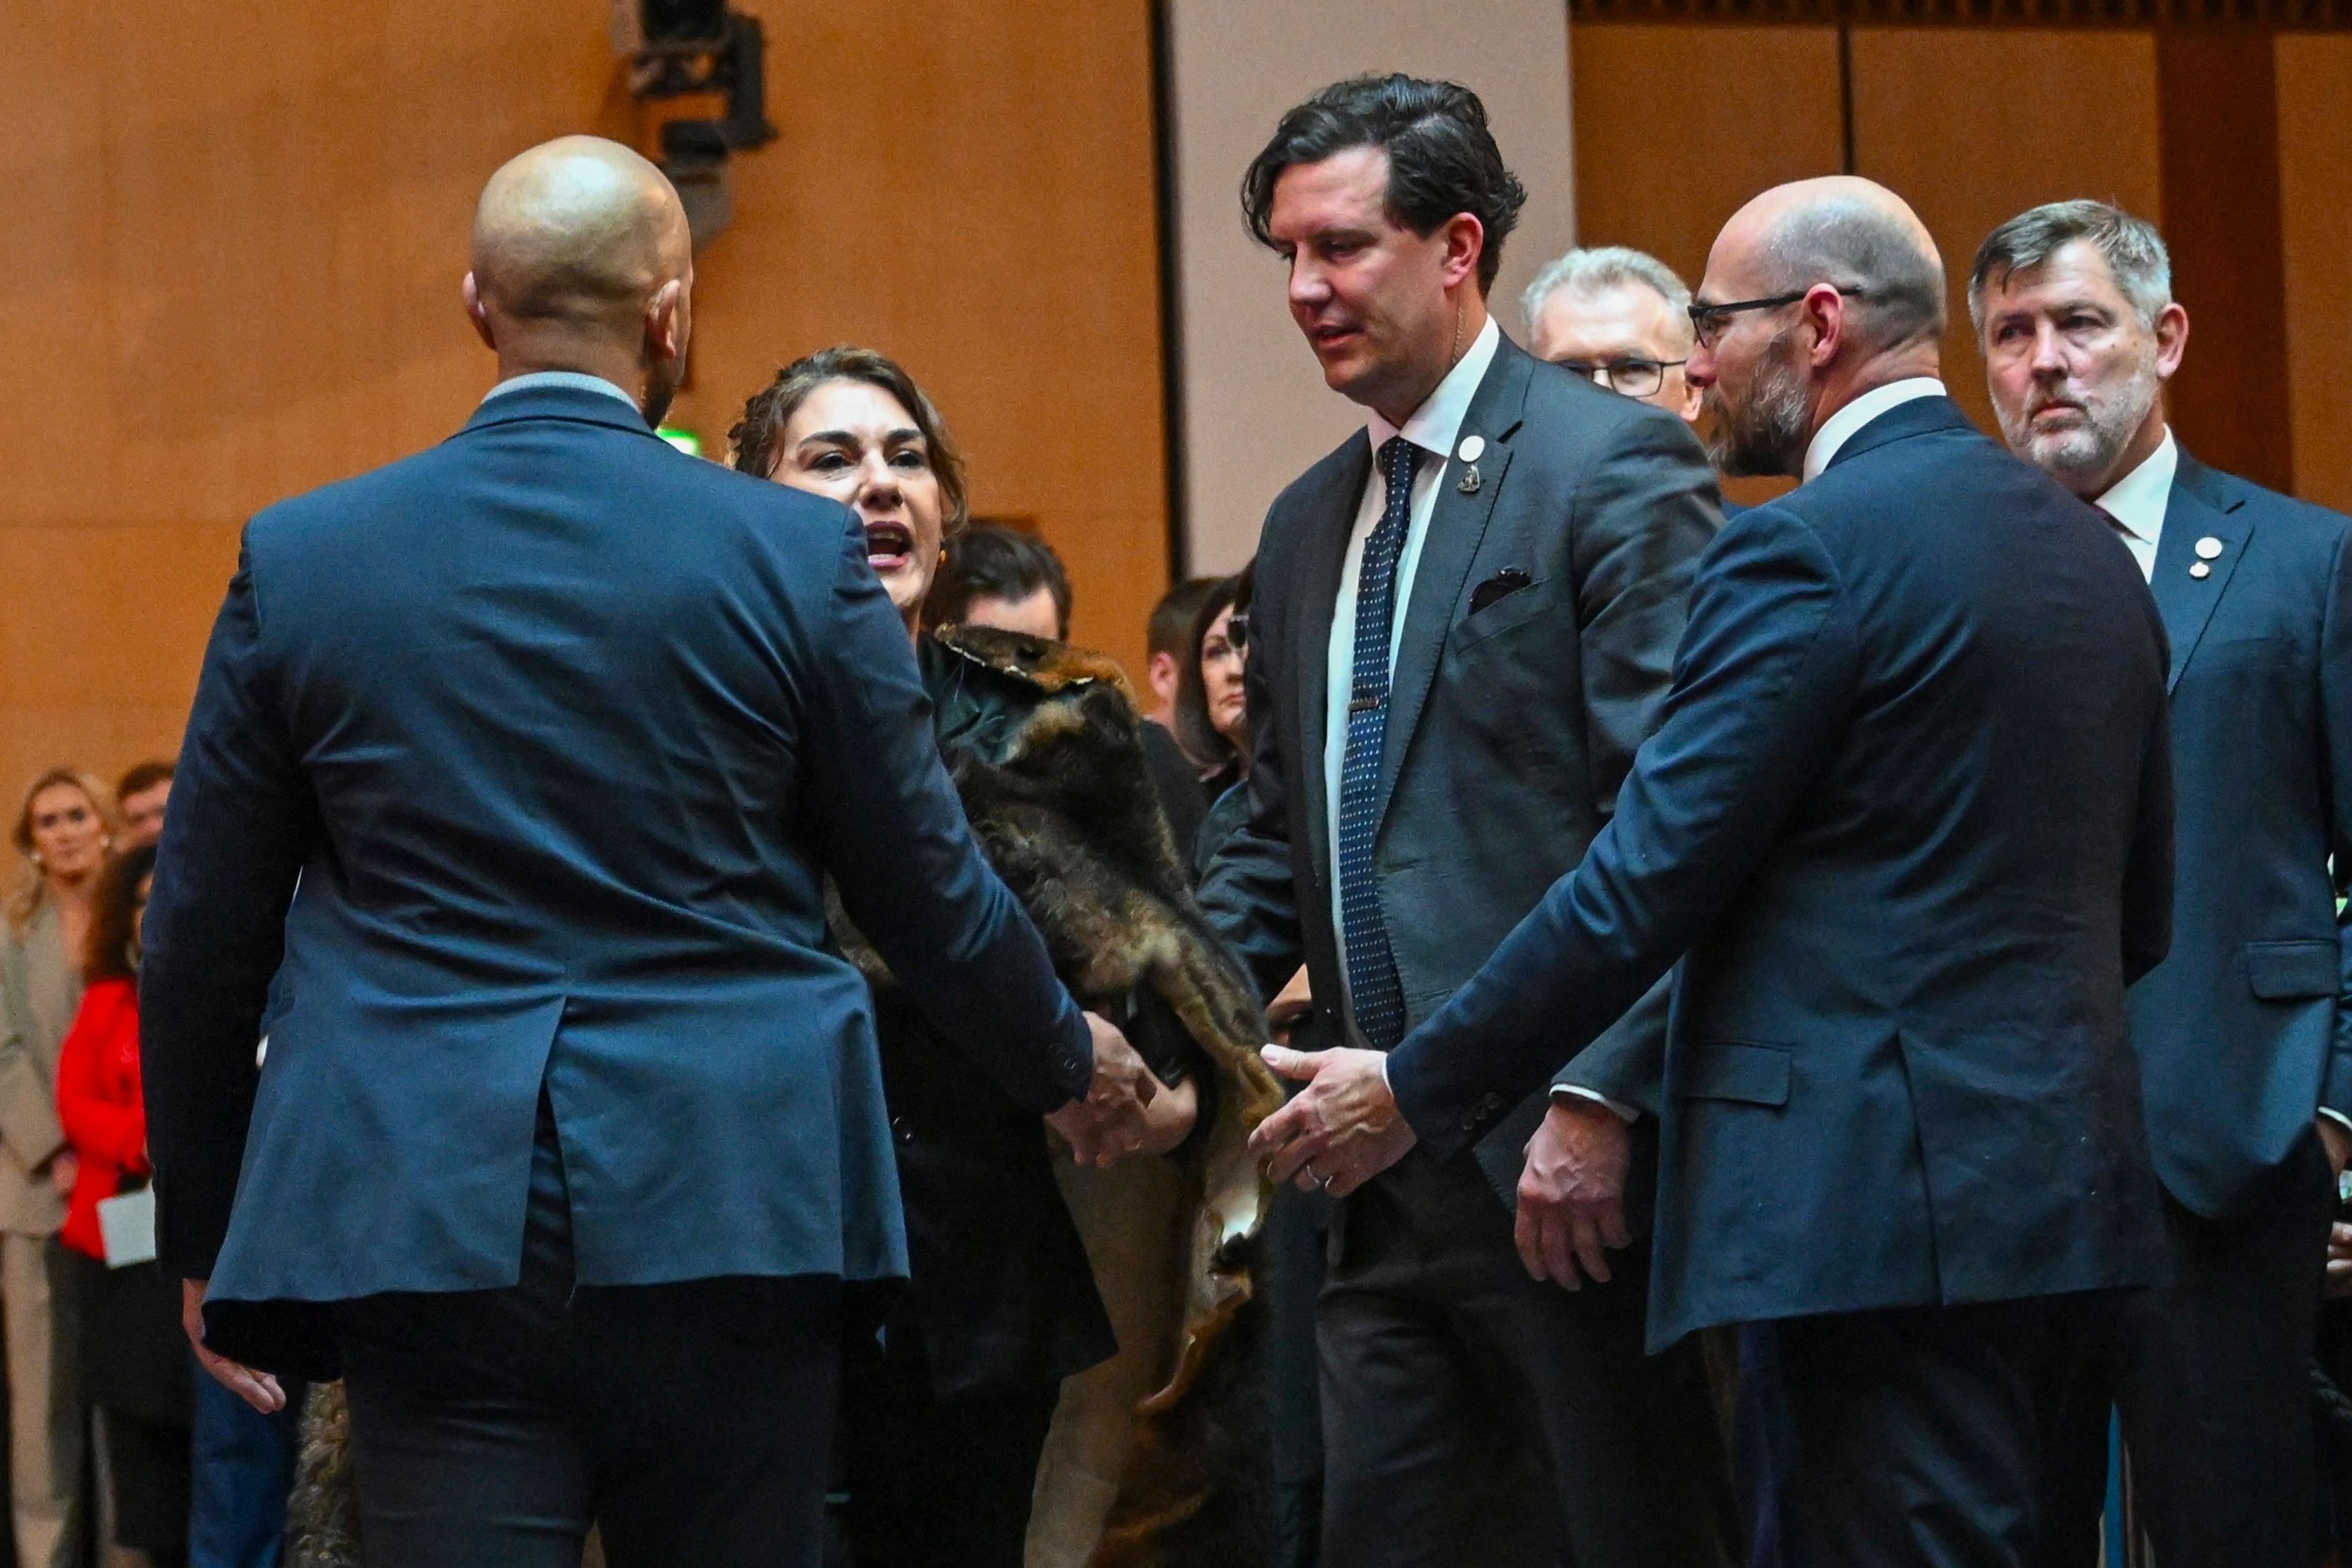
column 1469, row 486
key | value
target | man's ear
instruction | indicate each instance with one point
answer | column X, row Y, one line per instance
column 1824, row 307
column 2171, row 339
column 666, row 323
column 479, row 314
column 1465, row 242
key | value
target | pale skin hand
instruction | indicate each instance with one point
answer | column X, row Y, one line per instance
column 257, row 1389
column 1114, row 1119
column 65, row 1170
column 1339, row 1132
column 1573, row 1194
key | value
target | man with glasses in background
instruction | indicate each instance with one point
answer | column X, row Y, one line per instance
column 1619, row 316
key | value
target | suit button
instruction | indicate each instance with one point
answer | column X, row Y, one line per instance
column 904, row 1134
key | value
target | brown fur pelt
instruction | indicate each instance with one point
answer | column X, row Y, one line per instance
column 1069, row 816
column 323, row 1524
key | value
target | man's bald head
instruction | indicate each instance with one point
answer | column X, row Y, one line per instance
column 579, row 231
column 1848, row 232
column 583, row 262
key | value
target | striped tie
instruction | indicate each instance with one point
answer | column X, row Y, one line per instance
column 1377, row 996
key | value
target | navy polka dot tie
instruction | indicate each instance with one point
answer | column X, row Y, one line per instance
column 1376, row 995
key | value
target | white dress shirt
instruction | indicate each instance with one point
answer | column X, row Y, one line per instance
column 1839, row 427
column 1433, row 427
column 2136, row 503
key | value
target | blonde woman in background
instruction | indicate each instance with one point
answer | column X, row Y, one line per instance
column 63, row 831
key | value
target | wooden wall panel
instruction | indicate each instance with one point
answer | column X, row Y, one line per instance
column 1958, row 121
column 2314, row 83
column 231, row 238
column 1676, row 127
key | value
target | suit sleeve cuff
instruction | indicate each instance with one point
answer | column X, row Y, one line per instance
column 1623, row 1112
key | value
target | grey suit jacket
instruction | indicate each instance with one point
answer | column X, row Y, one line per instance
column 39, row 993
column 1511, row 724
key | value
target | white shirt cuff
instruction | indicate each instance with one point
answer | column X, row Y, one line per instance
column 1571, row 1091
column 2337, row 1117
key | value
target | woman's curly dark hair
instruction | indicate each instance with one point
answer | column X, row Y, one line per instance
column 758, row 438
column 114, row 914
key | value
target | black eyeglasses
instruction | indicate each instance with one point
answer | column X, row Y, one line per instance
column 1633, row 377
column 1237, row 633
column 1708, row 320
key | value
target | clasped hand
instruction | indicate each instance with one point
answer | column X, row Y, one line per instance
column 1116, row 1117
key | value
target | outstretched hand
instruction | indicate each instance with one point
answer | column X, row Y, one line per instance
column 257, row 1389
column 1339, row 1132
column 1113, row 1120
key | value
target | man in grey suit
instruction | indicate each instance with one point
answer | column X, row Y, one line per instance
column 1462, row 628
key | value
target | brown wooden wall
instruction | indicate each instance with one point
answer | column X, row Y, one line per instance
column 231, row 238
column 2226, row 138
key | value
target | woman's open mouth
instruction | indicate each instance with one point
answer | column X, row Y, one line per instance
column 888, row 545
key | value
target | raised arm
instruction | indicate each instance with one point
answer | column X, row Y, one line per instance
column 1763, row 684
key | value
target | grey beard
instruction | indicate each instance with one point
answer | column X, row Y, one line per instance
column 2090, row 451
column 1766, row 431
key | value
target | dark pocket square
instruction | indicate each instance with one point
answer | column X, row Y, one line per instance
column 1500, row 586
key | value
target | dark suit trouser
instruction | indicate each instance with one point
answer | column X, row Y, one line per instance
column 934, row 1482
column 1912, row 1431
column 690, row 1421
column 1473, row 1416
column 2211, row 1376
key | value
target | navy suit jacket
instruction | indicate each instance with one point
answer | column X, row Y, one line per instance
column 1909, row 814
column 559, row 730
column 2246, row 1029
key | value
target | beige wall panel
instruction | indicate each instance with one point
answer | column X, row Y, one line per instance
column 1958, row 121
column 1255, row 411
column 1676, row 126
column 231, row 238
column 2315, row 82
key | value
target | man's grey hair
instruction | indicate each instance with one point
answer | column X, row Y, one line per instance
column 1596, row 270
column 2135, row 252
column 1894, row 286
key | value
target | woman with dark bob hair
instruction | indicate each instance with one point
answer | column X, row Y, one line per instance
column 945, row 1415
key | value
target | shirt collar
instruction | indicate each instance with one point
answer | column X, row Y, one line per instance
column 2139, row 499
column 1434, row 426
column 1839, row 427
column 579, row 380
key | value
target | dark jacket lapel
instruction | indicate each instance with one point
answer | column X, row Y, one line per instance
column 1331, row 518
column 1456, row 526
column 2201, row 507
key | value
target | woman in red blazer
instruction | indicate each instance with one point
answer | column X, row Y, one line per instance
column 135, row 1362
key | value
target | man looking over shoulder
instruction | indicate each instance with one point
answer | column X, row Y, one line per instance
column 571, row 1132
column 1907, row 823
column 1463, row 625
column 2244, row 1033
